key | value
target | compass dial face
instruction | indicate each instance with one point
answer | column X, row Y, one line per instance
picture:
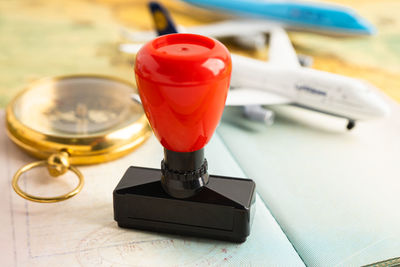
column 77, row 106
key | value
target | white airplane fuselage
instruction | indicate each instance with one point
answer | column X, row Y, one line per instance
column 309, row 88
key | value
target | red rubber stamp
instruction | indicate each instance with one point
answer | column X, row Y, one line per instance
column 183, row 82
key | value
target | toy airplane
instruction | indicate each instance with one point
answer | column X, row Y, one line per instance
column 257, row 16
column 282, row 80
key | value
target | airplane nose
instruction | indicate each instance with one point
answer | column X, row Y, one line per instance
column 375, row 106
column 378, row 107
column 365, row 26
column 383, row 109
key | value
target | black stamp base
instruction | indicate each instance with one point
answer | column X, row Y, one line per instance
column 223, row 209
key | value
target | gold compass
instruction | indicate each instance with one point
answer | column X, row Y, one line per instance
column 74, row 120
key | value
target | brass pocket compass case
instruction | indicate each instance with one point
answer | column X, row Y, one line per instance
column 74, row 120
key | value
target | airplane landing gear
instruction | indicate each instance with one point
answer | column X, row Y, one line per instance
column 259, row 113
column 351, row 124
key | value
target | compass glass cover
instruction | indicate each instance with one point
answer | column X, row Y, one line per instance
column 77, row 106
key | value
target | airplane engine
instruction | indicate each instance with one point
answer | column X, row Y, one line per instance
column 258, row 113
column 305, row 61
column 253, row 41
column 351, row 124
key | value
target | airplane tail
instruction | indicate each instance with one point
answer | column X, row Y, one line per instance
column 162, row 20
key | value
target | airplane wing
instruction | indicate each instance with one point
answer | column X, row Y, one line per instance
column 281, row 52
column 137, row 36
column 247, row 96
column 130, row 48
column 144, row 36
column 232, row 28
column 229, row 28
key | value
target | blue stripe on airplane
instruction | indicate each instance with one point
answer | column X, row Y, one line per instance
column 296, row 13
